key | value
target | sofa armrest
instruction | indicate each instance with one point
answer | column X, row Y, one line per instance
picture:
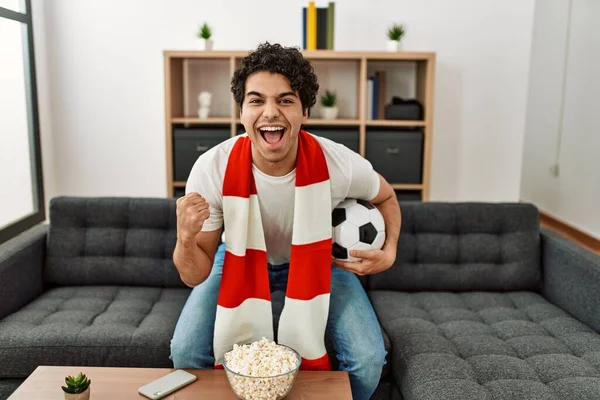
column 21, row 265
column 571, row 278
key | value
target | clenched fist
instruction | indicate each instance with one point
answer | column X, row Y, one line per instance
column 192, row 211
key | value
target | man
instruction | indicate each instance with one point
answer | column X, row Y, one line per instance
column 275, row 87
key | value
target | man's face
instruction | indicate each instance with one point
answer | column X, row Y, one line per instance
column 272, row 115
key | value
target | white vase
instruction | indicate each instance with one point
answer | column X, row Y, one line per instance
column 204, row 44
column 393, row 45
column 203, row 112
column 80, row 396
column 329, row 112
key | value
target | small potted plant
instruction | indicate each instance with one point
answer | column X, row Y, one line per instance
column 395, row 34
column 204, row 37
column 78, row 387
column 329, row 105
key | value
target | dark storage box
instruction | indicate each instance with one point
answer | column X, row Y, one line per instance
column 396, row 154
column 190, row 143
column 346, row 136
column 408, row 195
column 404, row 109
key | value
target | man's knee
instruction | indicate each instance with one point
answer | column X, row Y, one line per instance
column 187, row 354
column 179, row 349
column 371, row 362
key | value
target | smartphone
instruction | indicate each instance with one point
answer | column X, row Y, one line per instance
column 167, row 384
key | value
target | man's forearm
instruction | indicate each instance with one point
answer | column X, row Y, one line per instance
column 390, row 210
column 192, row 262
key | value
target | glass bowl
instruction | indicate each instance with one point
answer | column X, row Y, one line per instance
column 274, row 387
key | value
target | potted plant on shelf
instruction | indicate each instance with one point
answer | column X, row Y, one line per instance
column 395, row 34
column 78, row 387
column 329, row 105
column 204, row 37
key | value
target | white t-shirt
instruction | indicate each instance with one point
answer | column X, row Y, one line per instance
column 351, row 176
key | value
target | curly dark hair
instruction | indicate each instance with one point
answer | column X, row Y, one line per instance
column 287, row 61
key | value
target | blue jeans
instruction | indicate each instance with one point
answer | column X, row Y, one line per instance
column 352, row 326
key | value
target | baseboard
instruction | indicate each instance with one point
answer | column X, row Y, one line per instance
column 585, row 240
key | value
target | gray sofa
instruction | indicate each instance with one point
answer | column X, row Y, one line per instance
column 481, row 303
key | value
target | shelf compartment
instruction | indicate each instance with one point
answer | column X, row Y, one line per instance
column 396, row 154
column 210, row 75
column 393, row 78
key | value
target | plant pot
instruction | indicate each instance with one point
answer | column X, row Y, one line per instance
column 393, row 45
column 329, row 112
column 204, row 44
column 79, row 396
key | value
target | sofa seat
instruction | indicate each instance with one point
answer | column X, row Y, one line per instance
column 93, row 326
column 486, row 345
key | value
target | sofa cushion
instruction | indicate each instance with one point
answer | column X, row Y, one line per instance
column 477, row 345
column 465, row 246
column 112, row 241
column 93, row 326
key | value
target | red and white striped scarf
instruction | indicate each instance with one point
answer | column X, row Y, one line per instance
column 244, row 305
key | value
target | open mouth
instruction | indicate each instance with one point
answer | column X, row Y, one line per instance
column 272, row 134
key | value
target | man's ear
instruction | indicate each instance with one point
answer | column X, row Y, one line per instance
column 305, row 115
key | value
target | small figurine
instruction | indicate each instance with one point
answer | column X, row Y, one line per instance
column 204, row 99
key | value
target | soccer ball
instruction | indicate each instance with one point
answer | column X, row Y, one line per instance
column 357, row 225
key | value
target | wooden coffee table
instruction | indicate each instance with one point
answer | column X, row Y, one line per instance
column 123, row 383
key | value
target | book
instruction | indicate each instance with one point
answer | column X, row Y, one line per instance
column 311, row 26
column 304, row 33
column 330, row 25
column 375, row 106
column 369, row 98
column 381, row 100
column 322, row 28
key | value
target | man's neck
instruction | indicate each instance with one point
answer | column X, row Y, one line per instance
column 276, row 169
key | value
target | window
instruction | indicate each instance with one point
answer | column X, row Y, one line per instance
column 21, row 187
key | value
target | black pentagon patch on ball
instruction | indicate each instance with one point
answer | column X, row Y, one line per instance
column 365, row 204
column 367, row 233
column 338, row 216
column 339, row 251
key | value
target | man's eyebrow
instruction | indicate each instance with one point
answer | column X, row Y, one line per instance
column 284, row 94
column 287, row 94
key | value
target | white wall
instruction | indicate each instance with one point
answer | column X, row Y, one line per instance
column 16, row 190
column 563, row 115
column 106, row 82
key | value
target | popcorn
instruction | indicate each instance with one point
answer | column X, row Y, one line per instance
column 262, row 361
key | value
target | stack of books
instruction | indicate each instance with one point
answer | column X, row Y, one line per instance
column 318, row 27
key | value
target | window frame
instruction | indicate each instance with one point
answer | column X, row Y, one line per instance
column 35, row 153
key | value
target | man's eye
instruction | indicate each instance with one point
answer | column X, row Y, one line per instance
column 255, row 101
column 286, row 101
